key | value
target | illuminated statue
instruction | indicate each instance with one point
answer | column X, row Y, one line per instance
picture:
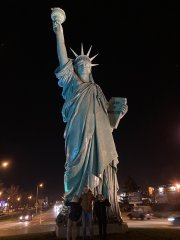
column 91, row 156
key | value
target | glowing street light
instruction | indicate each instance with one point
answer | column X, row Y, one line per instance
column 4, row 164
column 29, row 200
column 18, row 199
column 0, row 199
column 29, row 197
column 37, row 192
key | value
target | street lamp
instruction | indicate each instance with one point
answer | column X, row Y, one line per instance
column 37, row 192
column 4, row 164
column 19, row 203
column 30, row 197
column 18, row 199
column 0, row 199
column 29, row 200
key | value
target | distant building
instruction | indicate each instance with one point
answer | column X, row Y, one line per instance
column 167, row 194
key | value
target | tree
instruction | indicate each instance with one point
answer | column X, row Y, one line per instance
column 12, row 194
column 130, row 185
column 2, row 189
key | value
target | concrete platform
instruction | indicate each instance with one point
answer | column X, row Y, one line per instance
column 111, row 228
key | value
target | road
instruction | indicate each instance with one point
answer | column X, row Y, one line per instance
column 153, row 223
column 45, row 222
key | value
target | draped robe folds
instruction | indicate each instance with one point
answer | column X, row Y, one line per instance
column 91, row 156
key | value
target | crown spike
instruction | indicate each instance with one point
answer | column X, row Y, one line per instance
column 94, row 57
column 82, row 50
column 75, row 54
column 94, row 64
column 89, row 51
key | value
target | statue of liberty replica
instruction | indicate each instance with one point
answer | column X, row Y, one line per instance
column 91, row 156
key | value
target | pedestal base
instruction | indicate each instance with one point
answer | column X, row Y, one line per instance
column 111, row 228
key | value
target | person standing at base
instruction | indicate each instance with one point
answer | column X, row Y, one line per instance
column 100, row 209
column 87, row 199
column 74, row 217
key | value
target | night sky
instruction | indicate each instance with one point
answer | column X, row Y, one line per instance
column 139, row 58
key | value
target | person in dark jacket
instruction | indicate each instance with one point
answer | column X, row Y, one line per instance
column 100, row 209
column 74, row 217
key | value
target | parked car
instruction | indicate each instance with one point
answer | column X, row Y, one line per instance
column 25, row 216
column 174, row 220
column 141, row 212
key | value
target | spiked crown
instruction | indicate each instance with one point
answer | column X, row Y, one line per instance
column 83, row 57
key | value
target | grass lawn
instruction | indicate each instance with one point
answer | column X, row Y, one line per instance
column 132, row 234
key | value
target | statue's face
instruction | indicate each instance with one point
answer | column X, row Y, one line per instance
column 83, row 68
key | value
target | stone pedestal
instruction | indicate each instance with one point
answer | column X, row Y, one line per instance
column 111, row 228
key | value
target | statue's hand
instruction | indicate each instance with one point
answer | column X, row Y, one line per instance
column 57, row 26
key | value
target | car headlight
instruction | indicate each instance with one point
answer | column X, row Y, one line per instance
column 171, row 219
column 20, row 217
column 27, row 217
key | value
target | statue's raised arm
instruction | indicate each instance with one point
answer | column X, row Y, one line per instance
column 58, row 17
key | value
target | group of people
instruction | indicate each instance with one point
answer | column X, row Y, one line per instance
column 83, row 211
